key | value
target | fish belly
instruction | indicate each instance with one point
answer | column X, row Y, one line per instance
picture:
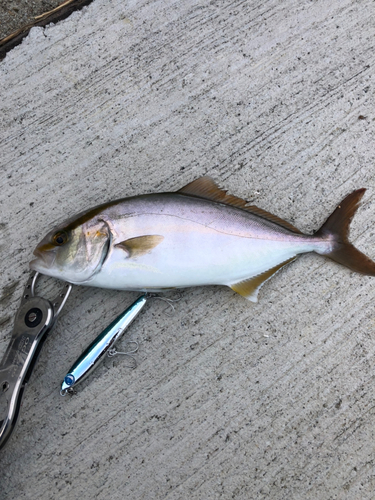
column 191, row 253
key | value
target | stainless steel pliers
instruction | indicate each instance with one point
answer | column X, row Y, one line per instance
column 34, row 320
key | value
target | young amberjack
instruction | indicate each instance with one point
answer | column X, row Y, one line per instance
column 196, row 236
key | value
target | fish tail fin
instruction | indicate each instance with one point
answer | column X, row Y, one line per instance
column 337, row 225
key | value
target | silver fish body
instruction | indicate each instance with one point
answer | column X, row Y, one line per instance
column 196, row 236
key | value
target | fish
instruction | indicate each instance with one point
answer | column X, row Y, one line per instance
column 199, row 235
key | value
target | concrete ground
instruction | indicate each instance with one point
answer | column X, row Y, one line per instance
column 274, row 100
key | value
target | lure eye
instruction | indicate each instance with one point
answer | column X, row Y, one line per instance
column 60, row 238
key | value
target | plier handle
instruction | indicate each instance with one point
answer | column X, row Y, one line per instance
column 34, row 319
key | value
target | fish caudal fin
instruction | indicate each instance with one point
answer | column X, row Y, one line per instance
column 337, row 225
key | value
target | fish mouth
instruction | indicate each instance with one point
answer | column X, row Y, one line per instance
column 44, row 260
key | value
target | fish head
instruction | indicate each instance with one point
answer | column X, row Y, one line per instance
column 73, row 251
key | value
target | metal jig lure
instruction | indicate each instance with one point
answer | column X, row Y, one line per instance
column 102, row 345
column 105, row 342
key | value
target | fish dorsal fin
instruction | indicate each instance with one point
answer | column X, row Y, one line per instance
column 140, row 245
column 205, row 187
column 249, row 288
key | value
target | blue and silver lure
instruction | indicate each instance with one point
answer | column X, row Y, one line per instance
column 102, row 345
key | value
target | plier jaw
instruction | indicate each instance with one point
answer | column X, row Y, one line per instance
column 34, row 319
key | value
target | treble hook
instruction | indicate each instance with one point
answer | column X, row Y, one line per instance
column 114, row 352
column 168, row 301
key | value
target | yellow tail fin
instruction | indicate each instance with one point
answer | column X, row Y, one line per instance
column 337, row 225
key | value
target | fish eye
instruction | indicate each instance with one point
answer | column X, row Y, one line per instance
column 60, row 238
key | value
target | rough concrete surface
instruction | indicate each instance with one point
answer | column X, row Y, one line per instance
column 274, row 100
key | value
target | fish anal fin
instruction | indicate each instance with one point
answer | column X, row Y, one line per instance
column 205, row 187
column 249, row 288
column 140, row 245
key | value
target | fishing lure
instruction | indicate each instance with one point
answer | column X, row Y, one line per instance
column 101, row 346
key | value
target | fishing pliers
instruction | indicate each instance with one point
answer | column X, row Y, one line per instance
column 35, row 318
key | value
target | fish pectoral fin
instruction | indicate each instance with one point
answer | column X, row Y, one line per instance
column 140, row 245
column 249, row 288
